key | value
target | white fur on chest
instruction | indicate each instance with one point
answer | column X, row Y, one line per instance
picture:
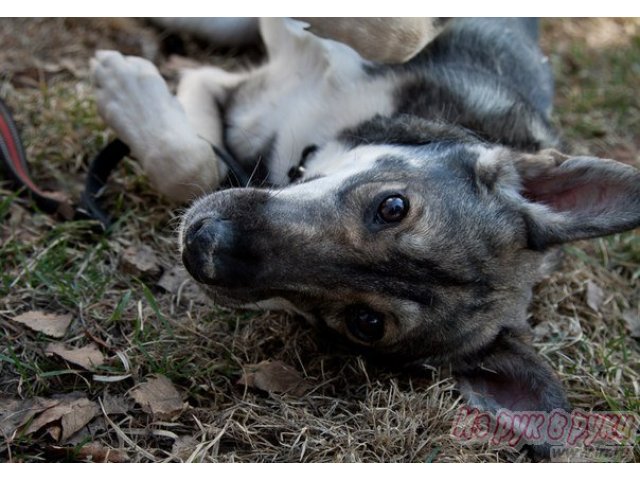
column 310, row 90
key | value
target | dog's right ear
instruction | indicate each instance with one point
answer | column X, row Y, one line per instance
column 565, row 198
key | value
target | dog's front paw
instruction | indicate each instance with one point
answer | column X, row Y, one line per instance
column 135, row 101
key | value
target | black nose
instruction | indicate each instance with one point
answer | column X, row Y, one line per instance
column 201, row 233
column 200, row 243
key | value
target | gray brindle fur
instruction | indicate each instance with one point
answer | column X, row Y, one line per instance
column 461, row 133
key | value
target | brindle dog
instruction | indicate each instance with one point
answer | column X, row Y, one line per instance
column 427, row 199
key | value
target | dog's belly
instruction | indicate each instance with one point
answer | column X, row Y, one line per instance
column 289, row 104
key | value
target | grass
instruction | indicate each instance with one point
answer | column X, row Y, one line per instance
column 356, row 411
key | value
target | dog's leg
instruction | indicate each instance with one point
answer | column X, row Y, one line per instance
column 171, row 141
column 385, row 40
column 201, row 92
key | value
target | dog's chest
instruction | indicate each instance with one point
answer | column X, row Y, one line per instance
column 290, row 104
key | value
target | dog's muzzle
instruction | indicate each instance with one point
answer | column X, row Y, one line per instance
column 212, row 255
column 216, row 249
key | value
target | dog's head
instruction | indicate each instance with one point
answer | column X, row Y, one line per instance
column 423, row 249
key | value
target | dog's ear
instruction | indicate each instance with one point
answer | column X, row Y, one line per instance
column 571, row 198
column 510, row 375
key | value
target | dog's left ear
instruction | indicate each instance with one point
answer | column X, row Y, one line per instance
column 567, row 198
column 511, row 375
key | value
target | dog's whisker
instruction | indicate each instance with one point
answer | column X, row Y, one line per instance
column 254, row 171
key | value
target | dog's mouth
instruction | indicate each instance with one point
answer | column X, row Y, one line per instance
column 240, row 297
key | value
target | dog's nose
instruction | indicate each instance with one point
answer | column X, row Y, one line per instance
column 200, row 243
column 201, row 233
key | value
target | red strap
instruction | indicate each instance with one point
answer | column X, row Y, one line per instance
column 15, row 160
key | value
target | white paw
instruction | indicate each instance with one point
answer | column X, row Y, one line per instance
column 135, row 101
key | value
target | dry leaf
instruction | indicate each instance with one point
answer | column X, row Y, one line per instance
column 52, row 324
column 15, row 413
column 276, row 377
column 595, row 296
column 95, row 452
column 140, row 261
column 81, row 412
column 88, row 357
column 159, row 397
column 91, row 430
column 632, row 319
column 73, row 413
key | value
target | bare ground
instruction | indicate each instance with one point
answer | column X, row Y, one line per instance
column 351, row 410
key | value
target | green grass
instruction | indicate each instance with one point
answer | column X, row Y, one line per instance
column 597, row 90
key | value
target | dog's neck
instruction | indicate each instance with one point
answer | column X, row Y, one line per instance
column 412, row 129
column 405, row 130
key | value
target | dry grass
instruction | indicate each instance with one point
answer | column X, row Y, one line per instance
column 356, row 411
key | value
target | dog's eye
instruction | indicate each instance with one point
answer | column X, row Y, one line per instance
column 392, row 209
column 365, row 324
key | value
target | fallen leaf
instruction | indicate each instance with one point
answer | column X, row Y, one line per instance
column 15, row 413
column 94, row 451
column 72, row 411
column 91, row 430
column 101, row 453
column 274, row 376
column 595, row 296
column 51, row 324
column 88, row 357
column 140, row 261
column 159, row 397
column 632, row 319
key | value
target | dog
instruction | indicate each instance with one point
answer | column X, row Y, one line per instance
column 409, row 208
